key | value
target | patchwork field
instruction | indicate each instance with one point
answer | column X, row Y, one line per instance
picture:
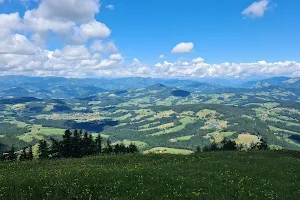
column 247, row 139
column 158, row 117
column 164, row 150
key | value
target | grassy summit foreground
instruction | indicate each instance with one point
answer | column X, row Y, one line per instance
column 217, row 175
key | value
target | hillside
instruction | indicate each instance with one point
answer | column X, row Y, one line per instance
column 158, row 116
column 68, row 88
column 219, row 175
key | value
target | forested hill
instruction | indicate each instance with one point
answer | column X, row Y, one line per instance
column 156, row 116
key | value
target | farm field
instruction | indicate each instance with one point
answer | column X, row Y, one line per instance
column 217, row 175
column 164, row 150
column 158, row 116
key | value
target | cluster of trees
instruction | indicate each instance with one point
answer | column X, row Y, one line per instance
column 12, row 155
column 77, row 144
column 95, row 126
column 230, row 145
column 26, row 155
column 74, row 144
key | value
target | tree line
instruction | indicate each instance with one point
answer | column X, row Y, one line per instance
column 74, row 144
column 230, row 145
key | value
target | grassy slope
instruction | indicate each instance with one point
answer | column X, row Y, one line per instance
column 220, row 175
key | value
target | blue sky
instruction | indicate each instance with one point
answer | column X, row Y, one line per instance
column 235, row 35
column 217, row 28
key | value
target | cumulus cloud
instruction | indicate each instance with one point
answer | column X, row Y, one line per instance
column 183, row 48
column 116, row 57
column 26, row 54
column 9, row 23
column 67, row 10
column 198, row 60
column 257, row 9
column 104, row 47
column 71, row 61
column 21, row 51
column 161, row 56
column 77, row 61
column 67, row 17
column 73, row 53
column 135, row 63
column 39, row 25
column 228, row 70
column 92, row 29
column 111, row 7
column 17, row 44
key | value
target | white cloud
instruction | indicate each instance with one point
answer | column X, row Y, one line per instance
column 38, row 25
column 183, row 48
column 9, row 23
column 77, row 61
column 136, row 63
column 198, row 60
column 78, row 11
column 71, row 61
column 111, row 7
column 256, row 9
column 73, row 53
column 25, row 54
column 116, row 57
column 92, row 29
column 104, row 47
column 164, row 64
column 161, row 56
column 229, row 70
column 67, row 17
column 17, row 44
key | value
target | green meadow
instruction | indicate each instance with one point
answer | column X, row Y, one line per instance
column 217, row 175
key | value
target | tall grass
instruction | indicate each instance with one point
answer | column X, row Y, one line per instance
column 216, row 175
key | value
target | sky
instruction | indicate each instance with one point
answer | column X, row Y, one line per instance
column 158, row 38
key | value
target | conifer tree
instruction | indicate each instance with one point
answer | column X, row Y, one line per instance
column 76, row 144
column 263, row 144
column 91, row 145
column 214, row 146
column 123, row 149
column 56, row 148
column 198, row 150
column 116, row 149
column 108, row 148
column 23, row 155
column 206, row 148
column 43, row 150
column 67, row 144
column 12, row 156
column 133, row 148
column 30, row 154
column 98, row 142
column 85, row 144
column 229, row 145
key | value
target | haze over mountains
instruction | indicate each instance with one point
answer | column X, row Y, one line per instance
column 65, row 88
column 172, row 113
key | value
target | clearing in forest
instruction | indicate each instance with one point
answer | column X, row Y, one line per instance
column 165, row 150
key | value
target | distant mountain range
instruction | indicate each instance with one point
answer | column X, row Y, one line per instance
column 283, row 82
column 67, row 88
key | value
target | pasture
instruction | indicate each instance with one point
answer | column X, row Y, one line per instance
column 217, row 175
